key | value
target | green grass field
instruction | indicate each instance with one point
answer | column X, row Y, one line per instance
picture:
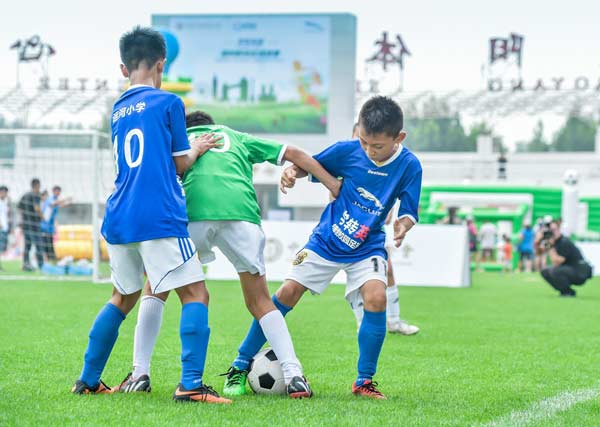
column 488, row 355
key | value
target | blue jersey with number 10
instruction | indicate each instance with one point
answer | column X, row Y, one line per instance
column 351, row 227
column 148, row 129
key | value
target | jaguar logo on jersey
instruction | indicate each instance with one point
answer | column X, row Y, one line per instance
column 369, row 196
column 300, row 257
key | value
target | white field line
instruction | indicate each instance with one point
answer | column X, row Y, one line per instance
column 546, row 408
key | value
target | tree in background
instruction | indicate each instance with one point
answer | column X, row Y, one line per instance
column 537, row 143
column 577, row 134
column 434, row 127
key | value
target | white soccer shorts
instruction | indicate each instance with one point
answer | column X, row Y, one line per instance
column 242, row 242
column 315, row 273
column 169, row 263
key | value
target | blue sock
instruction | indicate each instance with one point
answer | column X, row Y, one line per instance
column 370, row 341
column 103, row 335
column 255, row 339
column 194, row 333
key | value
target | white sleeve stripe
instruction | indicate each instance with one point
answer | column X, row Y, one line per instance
column 280, row 160
column 180, row 153
column 412, row 218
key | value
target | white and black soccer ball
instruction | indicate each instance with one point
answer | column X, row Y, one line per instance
column 266, row 376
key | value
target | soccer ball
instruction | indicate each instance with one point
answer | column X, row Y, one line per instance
column 265, row 376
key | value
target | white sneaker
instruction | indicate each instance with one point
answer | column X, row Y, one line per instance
column 402, row 328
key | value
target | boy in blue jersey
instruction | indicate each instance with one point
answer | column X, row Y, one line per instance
column 376, row 171
column 145, row 221
column 395, row 325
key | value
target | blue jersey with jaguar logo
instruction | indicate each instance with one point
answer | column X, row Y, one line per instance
column 351, row 227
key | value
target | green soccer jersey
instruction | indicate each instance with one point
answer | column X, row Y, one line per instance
column 218, row 187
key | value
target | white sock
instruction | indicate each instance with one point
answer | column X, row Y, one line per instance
column 393, row 304
column 149, row 320
column 277, row 334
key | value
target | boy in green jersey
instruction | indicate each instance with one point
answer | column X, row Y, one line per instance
column 223, row 211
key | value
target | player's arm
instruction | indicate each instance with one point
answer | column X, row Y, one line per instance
column 200, row 145
column 555, row 257
column 307, row 165
column 390, row 214
column 408, row 213
column 329, row 159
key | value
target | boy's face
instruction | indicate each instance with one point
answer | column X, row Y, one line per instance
column 379, row 147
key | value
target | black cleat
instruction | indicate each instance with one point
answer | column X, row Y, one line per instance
column 299, row 388
column 82, row 388
column 134, row 385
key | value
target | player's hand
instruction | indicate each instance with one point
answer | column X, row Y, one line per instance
column 204, row 142
column 288, row 179
column 399, row 232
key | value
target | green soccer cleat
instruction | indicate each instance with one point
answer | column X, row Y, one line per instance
column 235, row 382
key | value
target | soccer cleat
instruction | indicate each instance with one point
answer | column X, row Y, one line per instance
column 368, row 389
column 134, row 385
column 235, row 383
column 204, row 394
column 401, row 327
column 299, row 388
column 82, row 388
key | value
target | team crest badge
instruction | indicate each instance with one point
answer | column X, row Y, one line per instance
column 300, row 257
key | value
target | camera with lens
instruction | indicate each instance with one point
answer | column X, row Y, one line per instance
column 546, row 235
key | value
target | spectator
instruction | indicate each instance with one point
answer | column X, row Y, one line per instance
column 5, row 222
column 30, row 209
column 452, row 218
column 50, row 207
column 487, row 236
column 525, row 248
column 507, row 252
column 472, row 229
column 569, row 268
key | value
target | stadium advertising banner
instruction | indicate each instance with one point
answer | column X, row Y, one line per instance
column 443, row 246
column 266, row 74
column 433, row 255
column 591, row 252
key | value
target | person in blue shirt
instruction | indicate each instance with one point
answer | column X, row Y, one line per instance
column 145, row 221
column 526, row 247
column 376, row 171
column 50, row 207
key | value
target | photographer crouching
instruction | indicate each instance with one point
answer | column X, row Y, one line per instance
column 568, row 266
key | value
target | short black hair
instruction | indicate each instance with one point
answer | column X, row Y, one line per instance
column 56, row 187
column 198, row 118
column 3, row 188
column 35, row 182
column 142, row 44
column 381, row 114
